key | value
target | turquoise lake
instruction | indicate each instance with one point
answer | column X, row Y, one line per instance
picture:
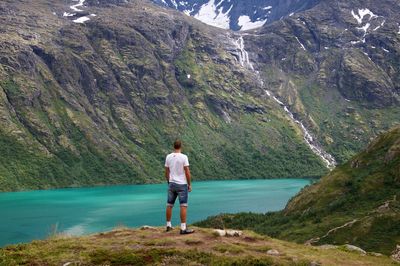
column 35, row 214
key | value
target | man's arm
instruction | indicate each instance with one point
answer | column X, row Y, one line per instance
column 167, row 174
column 187, row 174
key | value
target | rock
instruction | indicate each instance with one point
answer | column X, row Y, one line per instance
column 273, row 252
column 253, row 109
column 219, row 232
column 233, row 233
column 375, row 254
column 355, row 249
column 315, row 263
column 396, row 254
column 327, row 246
column 147, row 227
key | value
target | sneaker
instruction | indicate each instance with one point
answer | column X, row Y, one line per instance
column 187, row 231
column 169, row 228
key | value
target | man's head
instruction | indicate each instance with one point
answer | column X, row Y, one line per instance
column 177, row 144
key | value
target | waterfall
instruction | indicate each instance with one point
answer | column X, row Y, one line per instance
column 312, row 143
column 243, row 55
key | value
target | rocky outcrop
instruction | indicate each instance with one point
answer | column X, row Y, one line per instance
column 396, row 253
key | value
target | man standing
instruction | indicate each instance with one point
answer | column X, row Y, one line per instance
column 177, row 174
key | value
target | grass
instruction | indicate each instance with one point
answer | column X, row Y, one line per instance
column 126, row 246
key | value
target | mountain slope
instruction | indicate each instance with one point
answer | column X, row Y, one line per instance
column 91, row 98
column 357, row 203
column 336, row 67
column 236, row 14
column 153, row 246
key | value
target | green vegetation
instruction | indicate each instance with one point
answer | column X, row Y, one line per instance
column 131, row 247
column 360, row 198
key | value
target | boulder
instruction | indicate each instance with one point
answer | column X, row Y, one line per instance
column 396, row 254
column 219, row 232
column 327, row 246
column 273, row 252
column 147, row 227
column 233, row 233
column 355, row 249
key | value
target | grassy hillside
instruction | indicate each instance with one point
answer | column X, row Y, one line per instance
column 153, row 246
column 357, row 203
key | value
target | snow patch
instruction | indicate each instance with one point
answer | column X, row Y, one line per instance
column 362, row 13
column 246, row 24
column 209, row 14
column 174, row 3
column 81, row 19
column 385, row 50
column 365, row 27
column 188, row 76
column 367, row 56
column 378, row 27
column 267, row 7
column 79, row 4
column 302, row 46
column 66, row 14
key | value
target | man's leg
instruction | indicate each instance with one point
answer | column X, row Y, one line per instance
column 170, row 203
column 183, row 214
column 169, row 214
column 183, row 199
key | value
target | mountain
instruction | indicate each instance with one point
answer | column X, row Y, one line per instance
column 236, row 14
column 153, row 246
column 88, row 97
column 336, row 67
column 357, row 203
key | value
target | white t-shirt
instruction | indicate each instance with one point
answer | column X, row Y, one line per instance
column 175, row 162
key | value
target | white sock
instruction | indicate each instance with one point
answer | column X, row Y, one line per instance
column 183, row 226
column 169, row 223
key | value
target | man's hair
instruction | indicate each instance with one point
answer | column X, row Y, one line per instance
column 177, row 144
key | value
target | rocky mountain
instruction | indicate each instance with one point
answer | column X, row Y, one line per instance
column 336, row 67
column 238, row 14
column 89, row 97
column 357, row 203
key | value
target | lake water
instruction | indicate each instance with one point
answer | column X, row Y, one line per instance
column 35, row 214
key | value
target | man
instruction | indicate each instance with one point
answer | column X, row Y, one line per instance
column 177, row 174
